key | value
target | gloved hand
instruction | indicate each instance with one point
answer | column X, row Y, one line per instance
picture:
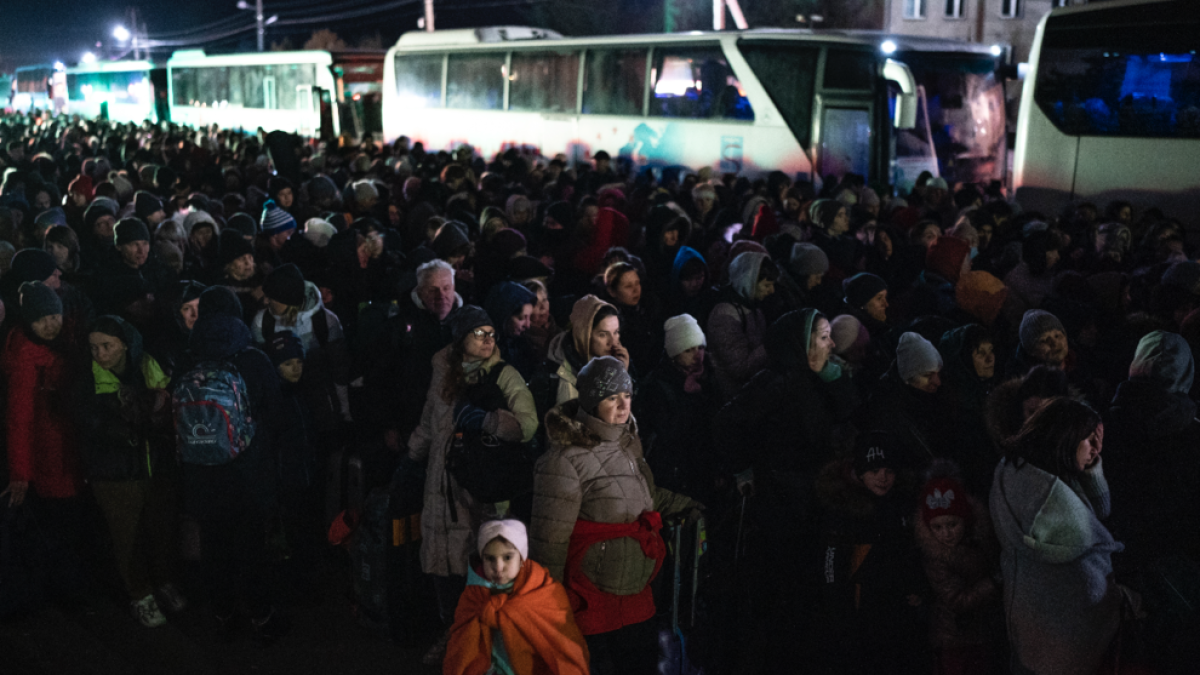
column 468, row 417
column 487, row 395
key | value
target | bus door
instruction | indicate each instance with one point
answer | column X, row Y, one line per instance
column 845, row 138
column 324, row 102
column 158, row 87
column 307, row 109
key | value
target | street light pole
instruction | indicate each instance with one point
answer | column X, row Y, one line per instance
column 429, row 15
column 258, row 16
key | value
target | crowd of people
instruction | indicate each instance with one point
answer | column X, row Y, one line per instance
column 928, row 432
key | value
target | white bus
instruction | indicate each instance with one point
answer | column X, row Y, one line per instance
column 809, row 104
column 121, row 91
column 1111, row 109
column 298, row 92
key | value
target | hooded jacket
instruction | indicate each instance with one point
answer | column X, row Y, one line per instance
column 572, row 350
column 787, row 417
column 737, row 327
column 1150, row 436
column 965, row 394
column 123, row 436
column 1062, row 605
column 447, row 532
column 595, row 471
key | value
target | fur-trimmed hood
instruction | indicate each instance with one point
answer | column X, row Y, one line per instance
column 567, row 426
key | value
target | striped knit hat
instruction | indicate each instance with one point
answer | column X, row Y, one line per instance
column 275, row 219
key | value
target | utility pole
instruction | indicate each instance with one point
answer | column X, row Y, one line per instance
column 429, row 16
column 735, row 10
column 258, row 16
column 134, row 23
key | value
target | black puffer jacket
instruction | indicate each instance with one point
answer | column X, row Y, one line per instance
column 675, row 429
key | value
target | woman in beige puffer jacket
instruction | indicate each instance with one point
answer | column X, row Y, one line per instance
column 596, row 515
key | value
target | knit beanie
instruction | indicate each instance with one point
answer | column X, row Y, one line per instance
column 981, row 295
column 915, row 356
column 31, row 264
column 276, row 220
column 231, row 245
column 97, row 210
column 506, row 299
column 823, row 212
column 146, row 204
column 861, row 287
column 220, row 300
column 507, row 243
column 38, row 300
column 874, row 450
column 808, row 259
column 285, row 346
column 318, row 231
column 944, row 497
column 242, row 223
column 845, row 331
column 512, row 531
column 52, row 216
column 1034, row 325
column 602, row 377
column 682, row 333
column 285, row 284
column 945, row 257
column 467, row 319
column 129, row 230
column 525, row 267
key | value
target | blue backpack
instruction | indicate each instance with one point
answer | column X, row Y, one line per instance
column 212, row 414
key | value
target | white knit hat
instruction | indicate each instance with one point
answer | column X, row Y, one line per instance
column 683, row 333
column 845, row 331
column 319, row 231
column 513, row 531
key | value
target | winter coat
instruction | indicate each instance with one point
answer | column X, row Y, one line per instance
column 447, row 530
column 916, row 417
column 787, row 418
column 1150, row 436
column 596, row 472
column 43, row 444
column 736, row 330
column 676, row 430
column 122, row 435
column 965, row 394
column 247, row 485
column 1060, row 600
column 966, row 607
column 395, row 359
column 642, row 332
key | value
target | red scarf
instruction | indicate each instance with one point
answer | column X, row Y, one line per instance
column 599, row 612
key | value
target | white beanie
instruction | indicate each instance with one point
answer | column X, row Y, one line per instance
column 683, row 333
column 319, row 231
column 915, row 356
column 844, row 330
column 513, row 531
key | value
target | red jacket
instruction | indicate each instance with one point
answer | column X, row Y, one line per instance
column 599, row 612
column 43, row 448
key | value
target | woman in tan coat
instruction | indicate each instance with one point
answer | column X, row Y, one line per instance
column 597, row 515
column 450, row 516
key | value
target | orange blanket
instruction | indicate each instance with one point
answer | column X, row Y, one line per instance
column 535, row 620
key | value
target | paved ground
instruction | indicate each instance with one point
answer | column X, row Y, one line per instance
column 102, row 638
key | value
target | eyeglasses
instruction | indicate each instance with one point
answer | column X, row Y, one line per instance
column 483, row 334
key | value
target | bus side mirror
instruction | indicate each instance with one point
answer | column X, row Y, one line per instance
column 906, row 102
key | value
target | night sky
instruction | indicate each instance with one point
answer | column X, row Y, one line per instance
column 44, row 31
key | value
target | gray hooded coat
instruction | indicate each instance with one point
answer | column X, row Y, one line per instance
column 1062, row 605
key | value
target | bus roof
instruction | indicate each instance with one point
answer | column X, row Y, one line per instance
column 485, row 37
column 26, row 69
column 197, row 57
column 112, row 67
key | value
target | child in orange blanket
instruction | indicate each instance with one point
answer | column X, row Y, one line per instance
column 513, row 618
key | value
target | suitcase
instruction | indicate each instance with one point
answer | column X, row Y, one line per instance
column 687, row 545
column 345, row 488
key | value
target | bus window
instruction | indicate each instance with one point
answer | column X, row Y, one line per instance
column 696, row 83
column 183, row 85
column 845, row 142
column 213, row 86
column 614, row 82
column 849, row 70
column 787, row 74
column 1117, row 92
column 475, row 81
column 543, row 81
column 419, row 81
